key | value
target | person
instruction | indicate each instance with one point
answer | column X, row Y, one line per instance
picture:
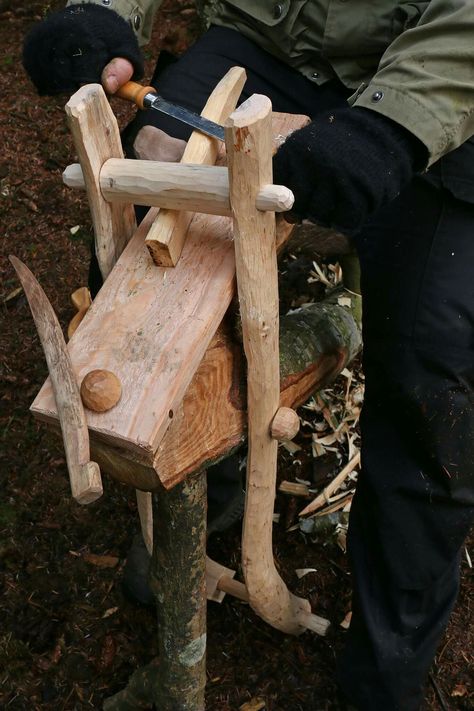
column 388, row 159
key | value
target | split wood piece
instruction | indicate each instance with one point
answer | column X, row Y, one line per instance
column 178, row 186
column 81, row 300
column 294, row 488
column 166, row 235
column 285, row 425
column 96, row 138
column 249, row 155
column 151, row 327
column 84, row 475
column 323, row 497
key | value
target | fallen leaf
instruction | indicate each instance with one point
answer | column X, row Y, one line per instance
column 101, row 561
column 460, row 690
column 255, row 704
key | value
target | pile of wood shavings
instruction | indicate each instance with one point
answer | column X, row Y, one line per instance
column 331, row 418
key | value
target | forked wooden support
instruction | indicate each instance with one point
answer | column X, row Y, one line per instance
column 249, row 158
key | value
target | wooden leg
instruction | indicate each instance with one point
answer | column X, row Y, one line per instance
column 178, row 580
column 176, row 682
column 249, row 151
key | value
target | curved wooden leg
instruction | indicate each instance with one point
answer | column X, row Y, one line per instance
column 249, row 150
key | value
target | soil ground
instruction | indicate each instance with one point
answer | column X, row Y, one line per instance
column 68, row 637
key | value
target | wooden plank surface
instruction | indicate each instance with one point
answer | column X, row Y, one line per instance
column 151, row 326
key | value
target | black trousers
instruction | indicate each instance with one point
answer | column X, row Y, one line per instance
column 415, row 496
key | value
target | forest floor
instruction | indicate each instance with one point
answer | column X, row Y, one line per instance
column 68, row 637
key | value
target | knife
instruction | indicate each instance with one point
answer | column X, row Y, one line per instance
column 146, row 97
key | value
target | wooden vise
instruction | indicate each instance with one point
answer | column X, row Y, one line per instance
column 162, row 331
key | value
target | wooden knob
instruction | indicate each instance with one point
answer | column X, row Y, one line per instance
column 285, row 425
column 100, row 390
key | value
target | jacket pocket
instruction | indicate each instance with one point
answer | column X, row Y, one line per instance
column 268, row 12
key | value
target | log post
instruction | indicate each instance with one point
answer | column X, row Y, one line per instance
column 176, row 682
column 249, row 150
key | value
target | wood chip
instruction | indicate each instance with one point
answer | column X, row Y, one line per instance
column 292, row 488
column 301, row 572
column 108, row 613
column 345, row 624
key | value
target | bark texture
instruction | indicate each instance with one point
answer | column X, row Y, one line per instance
column 176, row 680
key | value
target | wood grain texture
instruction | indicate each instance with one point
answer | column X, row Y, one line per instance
column 249, row 151
column 96, row 138
column 167, row 234
column 151, row 326
column 178, row 186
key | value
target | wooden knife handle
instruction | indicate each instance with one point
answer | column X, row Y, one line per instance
column 131, row 91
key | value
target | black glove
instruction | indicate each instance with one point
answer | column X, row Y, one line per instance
column 343, row 166
column 71, row 47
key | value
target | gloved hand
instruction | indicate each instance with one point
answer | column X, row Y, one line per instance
column 71, row 47
column 345, row 165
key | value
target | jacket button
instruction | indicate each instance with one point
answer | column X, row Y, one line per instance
column 315, row 75
column 377, row 96
column 106, row 2
column 277, row 11
column 137, row 21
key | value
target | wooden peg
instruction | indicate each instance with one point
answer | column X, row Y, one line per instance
column 285, row 424
column 100, row 390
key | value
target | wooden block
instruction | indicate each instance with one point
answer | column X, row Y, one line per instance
column 151, row 326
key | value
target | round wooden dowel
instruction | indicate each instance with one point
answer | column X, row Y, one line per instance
column 285, row 424
column 100, row 390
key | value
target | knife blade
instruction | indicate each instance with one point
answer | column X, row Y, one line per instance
column 146, row 97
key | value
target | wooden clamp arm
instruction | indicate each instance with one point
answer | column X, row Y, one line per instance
column 84, row 475
column 175, row 186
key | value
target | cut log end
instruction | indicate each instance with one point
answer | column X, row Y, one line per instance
column 285, row 425
column 90, row 487
column 100, row 390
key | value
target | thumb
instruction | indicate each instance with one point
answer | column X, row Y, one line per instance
column 116, row 73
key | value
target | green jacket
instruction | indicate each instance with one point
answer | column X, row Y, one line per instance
column 411, row 61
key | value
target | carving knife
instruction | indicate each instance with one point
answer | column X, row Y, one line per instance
column 146, row 97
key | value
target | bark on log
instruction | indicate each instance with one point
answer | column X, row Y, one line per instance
column 176, row 680
column 178, row 580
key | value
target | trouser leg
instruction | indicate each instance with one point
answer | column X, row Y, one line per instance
column 415, row 496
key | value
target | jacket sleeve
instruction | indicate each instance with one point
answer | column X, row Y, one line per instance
column 425, row 79
column 138, row 13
